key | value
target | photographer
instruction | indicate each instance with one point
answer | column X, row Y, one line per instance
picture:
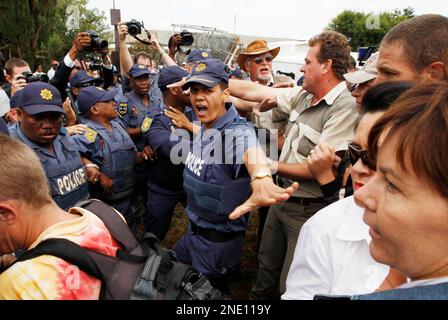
column 14, row 75
column 70, row 64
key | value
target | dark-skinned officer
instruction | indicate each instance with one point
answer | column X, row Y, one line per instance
column 108, row 145
column 132, row 108
column 165, row 188
column 40, row 121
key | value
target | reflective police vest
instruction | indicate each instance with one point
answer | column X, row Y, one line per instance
column 68, row 179
column 214, row 201
column 119, row 157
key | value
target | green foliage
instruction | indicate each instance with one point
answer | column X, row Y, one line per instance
column 367, row 29
column 36, row 30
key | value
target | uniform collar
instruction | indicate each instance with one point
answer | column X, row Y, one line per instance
column 135, row 96
column 332, row 95
column 352, row 227
column 228, row 117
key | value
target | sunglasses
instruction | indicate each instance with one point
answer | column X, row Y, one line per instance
column 355, row 153
column 259, row 60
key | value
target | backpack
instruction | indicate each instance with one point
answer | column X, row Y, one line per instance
column 139, row 271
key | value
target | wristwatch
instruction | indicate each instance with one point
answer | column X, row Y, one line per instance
column 260, row 175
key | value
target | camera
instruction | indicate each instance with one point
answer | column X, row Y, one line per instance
column 187, row 38
column 134, row 27
column 97, row 43
column 29, row 77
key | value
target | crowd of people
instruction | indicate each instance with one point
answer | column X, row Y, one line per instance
column 347, row 171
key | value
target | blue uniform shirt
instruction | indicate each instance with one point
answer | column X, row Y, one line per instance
column 132, row 111
column 113, row 151
column 64, row 169
column 3, row 127
column 162, row 135
column 215, row 164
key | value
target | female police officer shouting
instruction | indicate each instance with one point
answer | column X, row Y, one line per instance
column 223, row 163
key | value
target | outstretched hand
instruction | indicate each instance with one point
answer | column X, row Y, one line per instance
column 263, row 106
column 265, row 193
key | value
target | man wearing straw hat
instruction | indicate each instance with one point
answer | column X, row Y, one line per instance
column 256, row 60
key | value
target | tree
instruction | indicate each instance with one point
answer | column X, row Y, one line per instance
column 367, row 29
column 24, row 25
column 37, row 31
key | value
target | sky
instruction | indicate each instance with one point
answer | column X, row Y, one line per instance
column 288, row 19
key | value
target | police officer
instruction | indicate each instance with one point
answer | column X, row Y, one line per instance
column 195, row 56
column 108, row 146
column 134, row 105
column 3, row 127
column 132, row 109
column 165, row 188
column 40, row 120
column 222, row 166
column 80, row 80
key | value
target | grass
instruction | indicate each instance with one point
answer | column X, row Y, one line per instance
column 239, row 290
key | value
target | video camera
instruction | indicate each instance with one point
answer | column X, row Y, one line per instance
column 134, row 27
column 29, row 77
column 97, row 44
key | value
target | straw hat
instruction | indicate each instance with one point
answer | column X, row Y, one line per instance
column 254, row 48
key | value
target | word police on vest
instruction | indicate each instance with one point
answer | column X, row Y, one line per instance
column 194, row 164
column 71, row 181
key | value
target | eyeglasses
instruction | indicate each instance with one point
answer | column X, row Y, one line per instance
column 355, row 153
column 259, row 60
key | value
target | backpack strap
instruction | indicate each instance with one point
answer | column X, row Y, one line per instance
column 114, row 223
column 67, row 251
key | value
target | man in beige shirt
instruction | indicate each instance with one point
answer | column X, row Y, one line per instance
column 322, row 111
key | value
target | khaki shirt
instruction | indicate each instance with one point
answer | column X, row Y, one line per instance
column 330, row 120
column 265, row 121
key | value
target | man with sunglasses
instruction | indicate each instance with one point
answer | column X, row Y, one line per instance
column 257, row 60
column 322, row 111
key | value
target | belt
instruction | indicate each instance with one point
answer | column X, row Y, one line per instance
column 305, row 201
column 214, row 235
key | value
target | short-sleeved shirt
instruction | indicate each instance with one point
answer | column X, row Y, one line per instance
column 237, row 136
column 50, row 278
column 330, row 120
column 132, row 111
column 63, row 167
column 162, row 135
column 265, row 120
column 92, row 145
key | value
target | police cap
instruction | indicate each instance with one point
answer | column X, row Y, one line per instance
column 208, row 73
column 39, row 97
column 90, row 96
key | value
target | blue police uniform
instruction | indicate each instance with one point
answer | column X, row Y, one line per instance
column 198, row 55
column 130, row 106
column 216, row 182
column 113, row 151
column 63, row 166
column 165, row 184
column 132, row 112
column 3, row 127
column 214, row 243
column 164, row 188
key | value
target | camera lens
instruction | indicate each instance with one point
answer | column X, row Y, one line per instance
column 133, row 30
